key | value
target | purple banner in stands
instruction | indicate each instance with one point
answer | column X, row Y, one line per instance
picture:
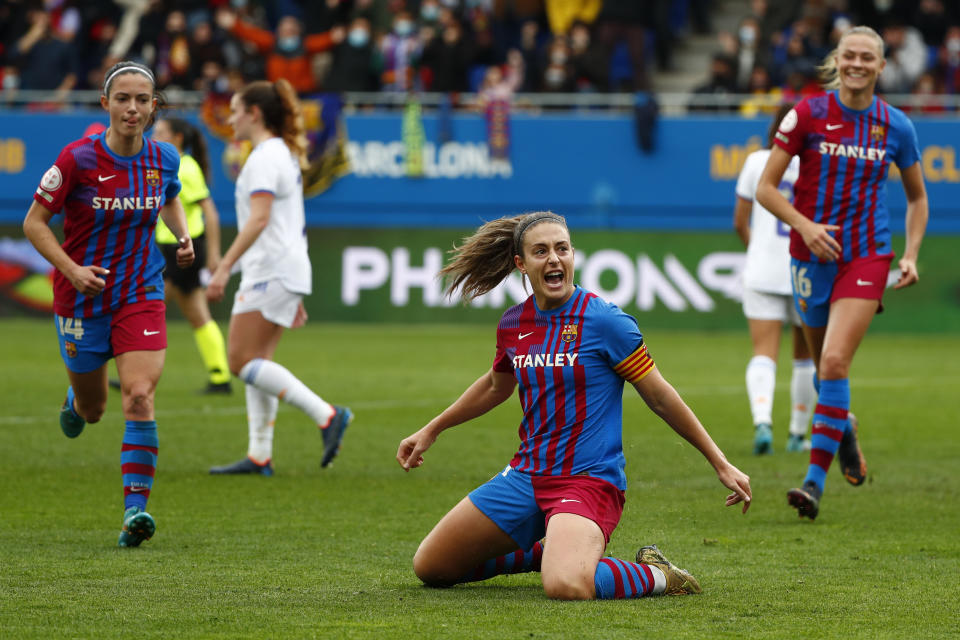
column 586, row 166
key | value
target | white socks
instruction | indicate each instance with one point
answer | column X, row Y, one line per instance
column 659, row 580
column 761, row 381
column 261, row 414
column 802, row 396
column 274, row 379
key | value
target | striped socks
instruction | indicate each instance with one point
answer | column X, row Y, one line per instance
column 618, row 579
column 519, row 561
column 138, row 462
column 614, row 579
column 830, row 421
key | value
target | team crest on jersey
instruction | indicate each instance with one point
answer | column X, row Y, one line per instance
column 878, row 132
column 153, row 177
column 569, row 333
column 71, row 348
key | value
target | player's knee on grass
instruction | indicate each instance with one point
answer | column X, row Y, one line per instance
column 433, row 573
column 568, row 587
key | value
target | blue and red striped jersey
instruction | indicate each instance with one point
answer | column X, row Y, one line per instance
column 110, row 205
column 570, row 364
column 845, row 156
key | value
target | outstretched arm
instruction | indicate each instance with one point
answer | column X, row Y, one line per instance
column 916, row 223
column 489, row 390
column 664, row 400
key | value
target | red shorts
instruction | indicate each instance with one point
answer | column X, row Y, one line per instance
column 141, row 326
column 592, row 498
column 862, row 278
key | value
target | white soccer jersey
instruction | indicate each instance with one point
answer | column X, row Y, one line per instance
column 281, row 250
column 768, row 254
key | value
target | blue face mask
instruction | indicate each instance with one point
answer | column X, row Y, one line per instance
column 403, row 27
column 358, row 37
column 288, row 44
column 430, row 12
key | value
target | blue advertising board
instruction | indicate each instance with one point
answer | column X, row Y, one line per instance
column 586, row 166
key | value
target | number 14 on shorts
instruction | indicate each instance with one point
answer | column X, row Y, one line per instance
column 70, row 327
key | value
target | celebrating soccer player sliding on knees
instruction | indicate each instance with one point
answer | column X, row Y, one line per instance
column 553, row 508
column 840, row 239
column 108, row 284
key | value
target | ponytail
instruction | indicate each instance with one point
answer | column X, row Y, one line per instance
column 282, row 116
column 193, row 143
column 828, row 72
column 485, row 259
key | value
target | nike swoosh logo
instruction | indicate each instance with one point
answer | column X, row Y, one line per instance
column 105, row 178
column 831, row 127
column 562, row 500
column 863, row 283
column 150, row 333
column 524, row 335
column 136, row 489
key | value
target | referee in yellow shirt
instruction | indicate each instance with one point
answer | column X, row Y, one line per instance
column 203, row 222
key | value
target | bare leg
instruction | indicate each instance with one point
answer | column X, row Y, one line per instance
column 571, row 552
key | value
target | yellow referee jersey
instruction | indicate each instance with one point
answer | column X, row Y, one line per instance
column 193, row 190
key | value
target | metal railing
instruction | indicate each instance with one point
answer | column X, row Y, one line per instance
column 941, row 105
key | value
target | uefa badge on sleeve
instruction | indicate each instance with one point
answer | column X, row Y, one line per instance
column 569, row 333
column 153, row 177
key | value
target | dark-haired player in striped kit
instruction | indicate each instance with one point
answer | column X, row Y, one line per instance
column 570, row 353
column 108, row 284
column 840, row 240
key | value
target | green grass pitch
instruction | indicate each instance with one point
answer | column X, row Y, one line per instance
column 326, row 553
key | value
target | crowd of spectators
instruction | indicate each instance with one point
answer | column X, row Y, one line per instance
column 346, row 45
column 450, row 45
column 776, row 50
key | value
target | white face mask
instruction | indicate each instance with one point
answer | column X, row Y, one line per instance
column 747, row 35
column 558, row 57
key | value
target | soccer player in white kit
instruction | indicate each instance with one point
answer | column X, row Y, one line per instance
column 768, row 303
column 271, row 251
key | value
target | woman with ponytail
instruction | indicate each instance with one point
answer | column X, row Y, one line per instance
column 553, row 508
column 271, row 252
column 203, row 222
column 840, row 242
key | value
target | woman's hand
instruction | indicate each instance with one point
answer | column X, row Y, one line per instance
column 411, row 450
column 818, row 239
column 217, row 286
column 738, row 482
column 908, row 273
column 86, row 280
column 185, row 252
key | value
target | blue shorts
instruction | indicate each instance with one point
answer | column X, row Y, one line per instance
column 87, row 343
column 522, row 504
column 812, row 289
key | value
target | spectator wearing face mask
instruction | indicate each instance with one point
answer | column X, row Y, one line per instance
column 401, row 49
column 558, row 75
column 287, row 50
column 355, row 61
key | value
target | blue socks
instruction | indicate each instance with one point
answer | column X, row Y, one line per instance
column 619, row 579
column 138, row 462
column 830, row 421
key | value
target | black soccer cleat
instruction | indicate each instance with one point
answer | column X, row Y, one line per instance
column 805, row 500
column 852, row 463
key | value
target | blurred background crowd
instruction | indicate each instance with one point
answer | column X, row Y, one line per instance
column 466, row 45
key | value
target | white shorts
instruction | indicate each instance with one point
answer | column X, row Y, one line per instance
column 271, row 299
column 760, row 305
